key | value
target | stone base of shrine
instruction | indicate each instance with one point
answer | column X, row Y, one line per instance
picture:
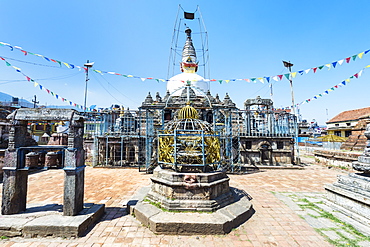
column 221, row 221
column 48, row 220
column 351, row 196
column 176, row 191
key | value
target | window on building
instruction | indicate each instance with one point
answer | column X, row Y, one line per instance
column 280, row 145
column 40, row 127
column 336, row 125
column 248, row 145
column 167, row 115
column 348, row 124
column 338, row 133
column 348, row 133
column 90, row 126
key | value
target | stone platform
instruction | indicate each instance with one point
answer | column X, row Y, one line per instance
column 350, row 194
column 48, row 220
column 187, row 223
column 190, row 191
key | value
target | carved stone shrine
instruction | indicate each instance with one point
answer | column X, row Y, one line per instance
column 16, row 173
column 188, row 182
column 350, row 194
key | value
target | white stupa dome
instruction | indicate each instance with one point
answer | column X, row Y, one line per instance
column 197, row 82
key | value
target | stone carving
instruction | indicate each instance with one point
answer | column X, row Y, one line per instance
column 15, row 173
column 351, row 193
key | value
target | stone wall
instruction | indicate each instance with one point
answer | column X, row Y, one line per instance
column 339, row 159
column 272, row 151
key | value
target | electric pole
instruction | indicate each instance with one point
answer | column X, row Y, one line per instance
column 87, row 65
column 289, row 65
column 34, row 101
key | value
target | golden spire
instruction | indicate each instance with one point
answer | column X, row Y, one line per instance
column 187, row 112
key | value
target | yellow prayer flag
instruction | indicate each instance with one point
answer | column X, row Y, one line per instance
column 67, row 65
column 35, row 84
column 294, row 74
column 361, row 54
column 348, row 80
column 227, row 81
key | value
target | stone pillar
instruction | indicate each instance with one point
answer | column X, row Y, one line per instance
column 74, row 170
column 15, row 175
column 14, row 190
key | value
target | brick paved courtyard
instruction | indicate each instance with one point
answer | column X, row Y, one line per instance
column 273, row 224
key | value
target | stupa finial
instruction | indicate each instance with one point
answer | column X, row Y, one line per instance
column 189, row 62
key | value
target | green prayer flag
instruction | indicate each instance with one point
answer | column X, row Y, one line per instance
column 354, row 57
column 287, row 76
column 321, row 67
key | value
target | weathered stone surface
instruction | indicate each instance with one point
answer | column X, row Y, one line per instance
column 347, row 198
column 186, row 223
column 351, row 193
column 45, row 114
column 34, row 223
column 15, row 179
column 14, row 190
column 73, row 190
column 362, row 167
column 190, row 191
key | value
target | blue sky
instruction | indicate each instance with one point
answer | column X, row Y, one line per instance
column 247, row 39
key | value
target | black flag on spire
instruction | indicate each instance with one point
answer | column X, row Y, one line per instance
column 188, row 15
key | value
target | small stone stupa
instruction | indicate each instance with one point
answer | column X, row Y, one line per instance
column 187, row 180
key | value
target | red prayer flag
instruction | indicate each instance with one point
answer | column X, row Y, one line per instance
column 314, row 70
column 356, row 75
column 280, row 76
column 348, row 59
column 25, row 53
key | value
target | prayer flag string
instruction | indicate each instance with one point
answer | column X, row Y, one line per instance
column 36, row 84
column 262, row 79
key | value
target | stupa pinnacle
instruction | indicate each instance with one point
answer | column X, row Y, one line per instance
column 188, row 67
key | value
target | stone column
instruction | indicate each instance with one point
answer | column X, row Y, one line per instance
column 74, row 170
column 15, row 175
